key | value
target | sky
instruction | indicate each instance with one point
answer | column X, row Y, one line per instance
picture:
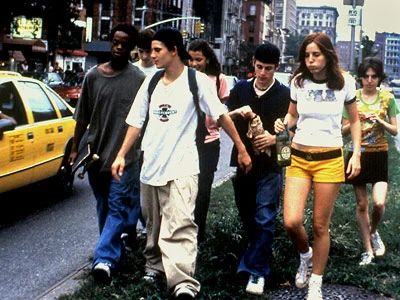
column 377, row 15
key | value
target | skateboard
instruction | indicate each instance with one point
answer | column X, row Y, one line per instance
column 84, row 160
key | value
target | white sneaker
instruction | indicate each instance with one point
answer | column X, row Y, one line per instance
column 151, row 276
column 377, row 245
column 255, row 285
column 185, row 292
column 303, row 272
column 102, row 272
column 314, row 290
column 366, row 258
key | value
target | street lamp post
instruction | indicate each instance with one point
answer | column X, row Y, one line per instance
column 353, row 34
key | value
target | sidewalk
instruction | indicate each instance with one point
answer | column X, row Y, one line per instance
column 330, row 291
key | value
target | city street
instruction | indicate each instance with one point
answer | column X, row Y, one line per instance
column 41, row 245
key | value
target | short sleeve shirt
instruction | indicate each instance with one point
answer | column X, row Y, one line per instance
column 169, row 142
column 372, row 134
column 320, row 111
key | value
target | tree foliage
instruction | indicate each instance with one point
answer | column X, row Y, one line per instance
column 293, row 43
column 367, row 46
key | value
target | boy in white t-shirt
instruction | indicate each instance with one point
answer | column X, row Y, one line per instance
column 169, row 175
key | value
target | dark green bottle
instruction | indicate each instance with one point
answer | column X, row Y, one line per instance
column 283, row 150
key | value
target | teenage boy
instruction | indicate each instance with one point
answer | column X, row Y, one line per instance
column 169, row 175
column 257, row 192
column 107, row 94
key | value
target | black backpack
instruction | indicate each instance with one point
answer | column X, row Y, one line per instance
column 201, row 130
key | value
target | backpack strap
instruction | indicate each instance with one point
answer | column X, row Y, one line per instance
column 150, row 89
column 194, row 89
column 201, row 129
column 153, row 82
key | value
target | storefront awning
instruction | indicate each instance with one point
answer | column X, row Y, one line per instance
column 37, row 45
column 75, row 52
column 98, row 46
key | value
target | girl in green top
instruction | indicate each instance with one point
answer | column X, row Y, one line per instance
column 377, row 110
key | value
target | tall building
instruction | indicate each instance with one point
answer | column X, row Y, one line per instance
column 285, row 15
column 223, row 23
column 258, row 26
column 317, row 19
column 285, row 23
column 343, row 52
column 387, row 48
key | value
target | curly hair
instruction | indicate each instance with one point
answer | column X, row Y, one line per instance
column 334, row 76
column 213, row 66
column 130, row 30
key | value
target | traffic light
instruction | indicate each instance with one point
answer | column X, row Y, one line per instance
column 197, row 27
column 201, row 27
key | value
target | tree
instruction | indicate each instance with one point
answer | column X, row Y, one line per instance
column 367, row 46
column 246, row 52
column 293, row 43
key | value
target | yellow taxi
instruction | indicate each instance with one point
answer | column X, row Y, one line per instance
column 36, row 131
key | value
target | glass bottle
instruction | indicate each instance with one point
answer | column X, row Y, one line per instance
column 283, row 149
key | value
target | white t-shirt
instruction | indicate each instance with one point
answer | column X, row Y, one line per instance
column 149, row 71
column 169, row 144
column 320, row 112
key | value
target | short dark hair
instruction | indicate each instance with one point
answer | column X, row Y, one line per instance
column 171, row 37
column 267, row 53
column 375, row 64
column 130, row 30
column 145, row 38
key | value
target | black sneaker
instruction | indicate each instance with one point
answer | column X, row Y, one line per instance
column 129, row 241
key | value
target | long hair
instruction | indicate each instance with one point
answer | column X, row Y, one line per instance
column 335, row 79
column 213, row 66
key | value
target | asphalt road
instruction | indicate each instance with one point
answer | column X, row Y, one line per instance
column 43, row 240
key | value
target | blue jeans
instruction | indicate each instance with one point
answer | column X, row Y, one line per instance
column 258, row 200
column 118, row 204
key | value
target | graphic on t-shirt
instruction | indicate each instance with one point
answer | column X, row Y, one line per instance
column 321, row 96
column 164, row 111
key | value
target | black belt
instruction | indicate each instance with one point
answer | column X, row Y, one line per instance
column 317, row 155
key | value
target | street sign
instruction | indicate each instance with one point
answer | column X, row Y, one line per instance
column 354, row 17
column 350, row 2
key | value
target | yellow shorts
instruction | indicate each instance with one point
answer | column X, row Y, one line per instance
column 328, row 170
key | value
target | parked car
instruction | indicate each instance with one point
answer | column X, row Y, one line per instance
column 231, row 80
column 37, row 147
column 70, row 91
column 52, row 79
column 395, row 87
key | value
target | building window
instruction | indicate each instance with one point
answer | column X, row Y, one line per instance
column 251, row 26
column 252, row 10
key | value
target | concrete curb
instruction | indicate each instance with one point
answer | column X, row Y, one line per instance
column 67, row 285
